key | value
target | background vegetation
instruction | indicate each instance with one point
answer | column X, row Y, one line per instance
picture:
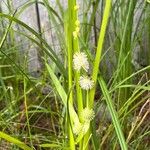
column 33, row 108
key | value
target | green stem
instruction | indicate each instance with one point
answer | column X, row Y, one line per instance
column 76, row 48
column 26, row 112
column 70, row 74
column 99, row 48
column 98, row 57
column 79, row 93
column 113, row 113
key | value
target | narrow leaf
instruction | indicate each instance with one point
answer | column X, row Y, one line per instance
column 14, row 141
column 113, row 114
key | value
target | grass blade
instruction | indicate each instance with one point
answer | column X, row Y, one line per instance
column 14, row 141
column 61, row 91
column 113, row 114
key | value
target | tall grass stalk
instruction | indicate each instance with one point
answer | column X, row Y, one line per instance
column 99, row 48
column 26, row 112
column 70, row 73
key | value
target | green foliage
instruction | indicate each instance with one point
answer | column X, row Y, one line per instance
column 15, row 141
column 102, row 103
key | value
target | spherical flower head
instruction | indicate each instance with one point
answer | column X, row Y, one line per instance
column 80, row 61
column 87, row 115
column 86, row 83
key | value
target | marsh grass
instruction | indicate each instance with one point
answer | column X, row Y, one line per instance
column 40, row 113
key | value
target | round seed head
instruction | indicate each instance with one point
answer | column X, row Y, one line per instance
column 87, row 115
column 80, row 61
column 86, row 83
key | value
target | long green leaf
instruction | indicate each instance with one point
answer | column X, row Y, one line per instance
column 14, row 141
column 113, row 114
column 51, row 145
column 99, row 47
column 61, row 92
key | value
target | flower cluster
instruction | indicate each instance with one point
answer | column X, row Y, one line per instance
column 77, row 29
column 87, row 115
column 86, row 83
column 82, row 127
column 80, row 61
column 77, row 25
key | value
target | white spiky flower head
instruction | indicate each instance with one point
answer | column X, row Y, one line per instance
column 86, row 83
column 80, row 61
column 87, row 115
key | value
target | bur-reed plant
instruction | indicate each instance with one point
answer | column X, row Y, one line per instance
column 82, row 83
column 75, row 87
